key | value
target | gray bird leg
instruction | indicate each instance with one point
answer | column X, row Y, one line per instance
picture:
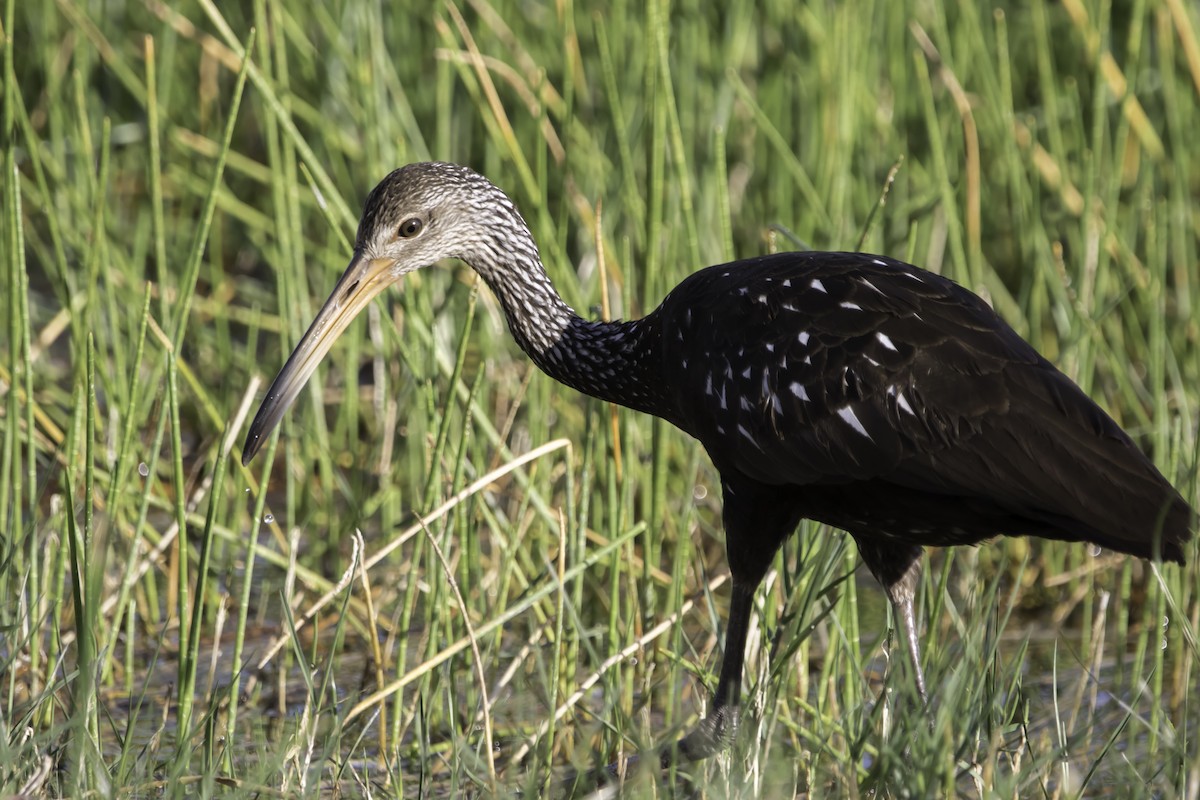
column 897, row 567
column 901, row 594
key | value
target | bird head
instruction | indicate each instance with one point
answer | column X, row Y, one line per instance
column 416, row 216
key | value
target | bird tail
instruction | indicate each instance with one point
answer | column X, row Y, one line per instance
column 1123, row 502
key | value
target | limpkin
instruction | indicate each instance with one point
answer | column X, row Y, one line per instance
column 851, row 389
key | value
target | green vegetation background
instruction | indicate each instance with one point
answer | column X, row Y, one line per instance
column 174, row 211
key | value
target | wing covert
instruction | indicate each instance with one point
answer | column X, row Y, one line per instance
column 800, row 369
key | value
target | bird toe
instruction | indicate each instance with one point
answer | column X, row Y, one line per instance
column 714, row 734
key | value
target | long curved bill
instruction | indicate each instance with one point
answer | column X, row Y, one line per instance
column 362, row 281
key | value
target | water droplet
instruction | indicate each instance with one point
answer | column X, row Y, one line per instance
column 1164, row 643
column 633, row 661
column 1096, row 550
column 699, row 491
column 143, row 470
column 269, row 518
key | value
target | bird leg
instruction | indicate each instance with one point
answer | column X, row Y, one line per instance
column 901, row 596
column 897, row 567
column 758, row 517
column 718, row 730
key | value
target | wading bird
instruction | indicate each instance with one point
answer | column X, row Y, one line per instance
column 851, row 389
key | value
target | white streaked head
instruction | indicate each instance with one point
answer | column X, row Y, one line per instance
column 416, row 216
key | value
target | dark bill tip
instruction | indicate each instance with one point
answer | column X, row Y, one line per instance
column 362, row 280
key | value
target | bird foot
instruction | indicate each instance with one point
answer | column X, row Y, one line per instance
column 714, row 734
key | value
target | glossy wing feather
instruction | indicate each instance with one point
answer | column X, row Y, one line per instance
column 806, row 369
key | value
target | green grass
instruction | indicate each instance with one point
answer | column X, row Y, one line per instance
column 173, row 212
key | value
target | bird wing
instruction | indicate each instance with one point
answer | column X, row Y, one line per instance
column 840, row 368
column 806, row 368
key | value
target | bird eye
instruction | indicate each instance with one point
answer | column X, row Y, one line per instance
column 410, row 228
